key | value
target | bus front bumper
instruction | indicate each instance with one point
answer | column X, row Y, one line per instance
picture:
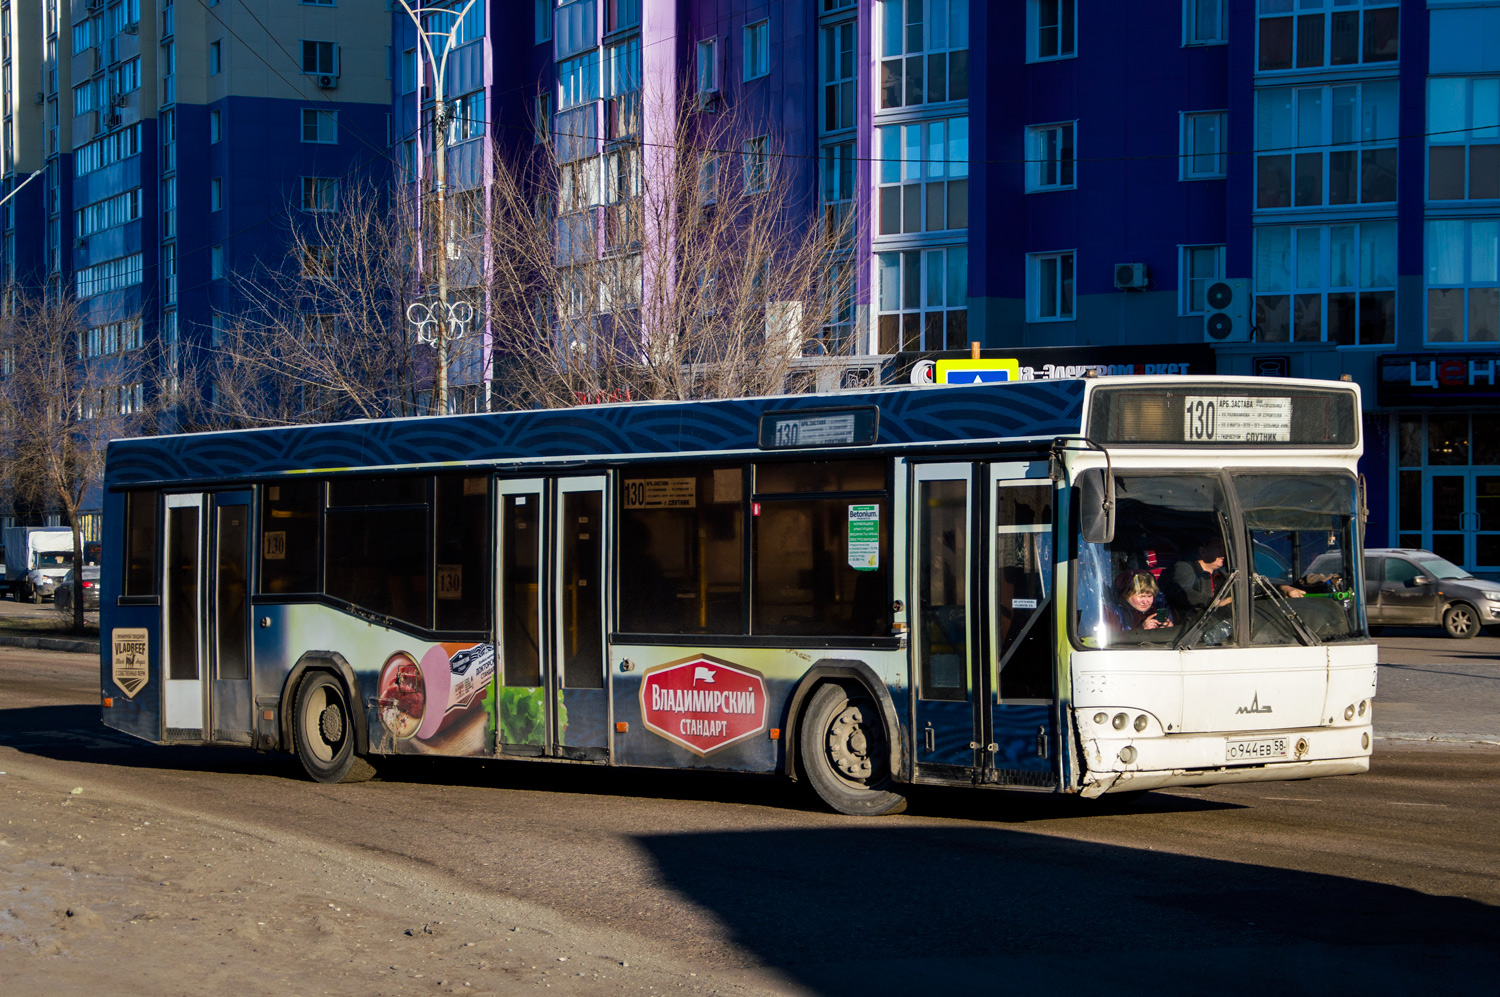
column 1117, row 765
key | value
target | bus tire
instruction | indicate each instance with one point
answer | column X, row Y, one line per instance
column 842, row 742
column 323, row 730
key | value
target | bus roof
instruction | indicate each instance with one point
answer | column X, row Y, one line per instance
column 1028, row 413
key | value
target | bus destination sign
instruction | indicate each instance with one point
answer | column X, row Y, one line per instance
column 1240, row 419
column 702, row 704
column 819, row 428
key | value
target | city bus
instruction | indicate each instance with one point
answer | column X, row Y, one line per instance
column 864, row 591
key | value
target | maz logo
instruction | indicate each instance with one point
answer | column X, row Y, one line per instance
column 1254, row 706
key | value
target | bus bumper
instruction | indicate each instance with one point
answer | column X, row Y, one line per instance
column 1116, row 765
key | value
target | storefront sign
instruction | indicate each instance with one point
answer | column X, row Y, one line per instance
column 1048, row 363
column 702, row 704
column 1438, row 379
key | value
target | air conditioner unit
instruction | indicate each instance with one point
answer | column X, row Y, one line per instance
column 328, row 82
column 1131, row 276
column 133, row 28
column 116, row 100
column 112, row 119
column 708, row 100
column 38, row 97
column 95, row 4
column 1228, row 318
column 80, row 242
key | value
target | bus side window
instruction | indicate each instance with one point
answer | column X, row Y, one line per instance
column 290, row 516
column 141, row 544
column 463, row 549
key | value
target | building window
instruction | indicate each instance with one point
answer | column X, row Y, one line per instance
column 1050, row 157
column 1304, row 34
column 1326, row 283
column 1203, row 154
column 1051, row 30
column 216, row 262
column 838, row 191
column 757, row 54
column 543, row 123
column 838, row 77
column 923, row 299
column 1463, row 281
column 1203, row 22
column 215, row 126
column 408, row 70
column 577, row 81
column 708, row 65
column 621, row 14
column 468, row 119
column 622, row 67
column 1198, row 267
column 1049, row 287
column 320, row 58
column 1326, row 145
column 320, row 194
column 320, row 126
column 757, row 165
column 1463, row 138
column 924, row 176
column 924, row 52
column 574, row 27
column 215, row 54
column 215, row 193
column 541, row 21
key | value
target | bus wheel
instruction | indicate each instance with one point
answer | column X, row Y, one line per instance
column 845, row 753
column 324, row 732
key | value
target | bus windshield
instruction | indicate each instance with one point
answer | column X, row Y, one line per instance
column 1186, row 563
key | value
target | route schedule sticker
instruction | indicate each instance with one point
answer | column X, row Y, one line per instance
column 1237, row 420
column 864, row 537
column 703, row 704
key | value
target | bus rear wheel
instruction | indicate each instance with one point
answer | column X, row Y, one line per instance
column 845, row 753
column 324, row 732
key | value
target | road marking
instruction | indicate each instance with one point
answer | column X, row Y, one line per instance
column 1396, row 803
column 1293, row 799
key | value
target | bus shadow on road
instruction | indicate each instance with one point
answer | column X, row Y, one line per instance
column 890, row 908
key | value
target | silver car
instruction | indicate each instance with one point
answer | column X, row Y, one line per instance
column 63, row 599
column 1417, row 588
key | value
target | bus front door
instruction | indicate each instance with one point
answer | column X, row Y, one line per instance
column 206, row 618
column 552, row 698
column 1019, row 680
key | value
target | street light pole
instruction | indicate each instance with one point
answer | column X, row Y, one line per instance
column 442, row 334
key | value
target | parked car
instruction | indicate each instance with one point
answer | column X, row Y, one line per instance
column 62, row 598
column 1417, row 588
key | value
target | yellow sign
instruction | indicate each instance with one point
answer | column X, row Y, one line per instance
column 977, row 371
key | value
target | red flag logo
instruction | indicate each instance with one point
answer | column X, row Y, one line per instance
column 703, row 704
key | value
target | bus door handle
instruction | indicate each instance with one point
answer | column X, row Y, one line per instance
column 1041, row 742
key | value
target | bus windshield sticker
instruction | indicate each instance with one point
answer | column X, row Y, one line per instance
column 1023, row 604
column 1247, row 419
column 129, row 666
column 661, row 493
column 864, row 537
column 275, row 545
column 703, row 705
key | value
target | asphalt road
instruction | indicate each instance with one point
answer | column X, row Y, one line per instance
column 1382, row 883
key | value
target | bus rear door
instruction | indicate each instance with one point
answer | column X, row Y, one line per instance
column 206, row 617
column 551, row 699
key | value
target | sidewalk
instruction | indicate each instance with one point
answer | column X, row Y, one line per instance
column 39, row 626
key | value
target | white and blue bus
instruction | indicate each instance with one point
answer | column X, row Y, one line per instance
column 866, row 591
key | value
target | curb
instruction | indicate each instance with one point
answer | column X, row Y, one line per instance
column 51, row 644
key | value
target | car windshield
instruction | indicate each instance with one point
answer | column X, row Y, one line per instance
column 1440, row 568
column 1176, row 573
column 54, row 559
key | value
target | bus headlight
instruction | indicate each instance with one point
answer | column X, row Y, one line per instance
column 1127, row 754
column 1349, row 712
column 1140, row 722
column 1101, row 719
column 1361, row 707
column 1120, row 721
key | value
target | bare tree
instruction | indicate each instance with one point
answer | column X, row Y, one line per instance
column 679, row 263
column 68, row 385
column 323, row 333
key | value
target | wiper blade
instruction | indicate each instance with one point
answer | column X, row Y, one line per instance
column 1281, row 603
column 1200, row 622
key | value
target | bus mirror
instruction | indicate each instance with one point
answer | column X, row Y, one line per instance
column 1096, row 506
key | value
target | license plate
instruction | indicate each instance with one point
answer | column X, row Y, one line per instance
column 1261, row 748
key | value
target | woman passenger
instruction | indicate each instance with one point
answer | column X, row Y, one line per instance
column 1139, row 605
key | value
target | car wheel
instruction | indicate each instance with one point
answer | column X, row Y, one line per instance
column 1460, row 621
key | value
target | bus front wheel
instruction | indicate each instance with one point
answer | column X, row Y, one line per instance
column 324, row 732
column 845, row 753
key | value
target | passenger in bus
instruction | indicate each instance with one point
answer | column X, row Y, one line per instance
column 1190, row 584
column 1140, row 604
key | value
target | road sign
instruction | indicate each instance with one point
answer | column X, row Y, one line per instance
column 977, row 371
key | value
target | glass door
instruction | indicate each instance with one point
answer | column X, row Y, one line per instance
column 1465, row 517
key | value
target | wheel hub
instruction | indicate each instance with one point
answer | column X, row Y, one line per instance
column 849, row 744
column 331, row 724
